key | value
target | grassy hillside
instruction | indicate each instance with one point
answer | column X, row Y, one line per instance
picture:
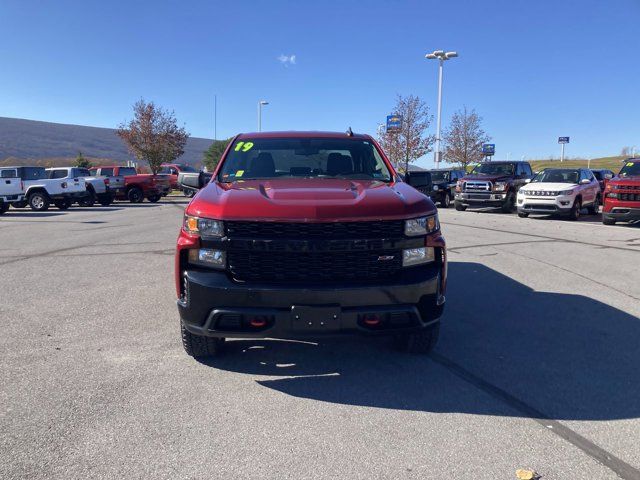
column 56, row 144
column 611, row 163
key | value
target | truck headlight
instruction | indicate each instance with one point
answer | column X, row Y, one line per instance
column 436, row 188
column 565, row 192
column 418, row 256
column 421, row 226
column 500, row 186
column 208, row 257
column 205, row 227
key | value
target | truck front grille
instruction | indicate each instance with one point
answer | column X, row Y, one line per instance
column 314, row 267
column 279, row 252
column 475, row 186
column 329, row 231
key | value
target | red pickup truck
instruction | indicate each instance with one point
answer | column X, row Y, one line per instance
column 137, row 186
column 304, row 234
column 622, row 195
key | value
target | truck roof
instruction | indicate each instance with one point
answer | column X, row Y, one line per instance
column 303, row 134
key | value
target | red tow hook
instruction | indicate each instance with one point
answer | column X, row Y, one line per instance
column 371, row 320
column 258, row 322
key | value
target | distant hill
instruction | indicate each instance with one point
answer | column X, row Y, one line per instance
column 29, row 141
column 609, row 163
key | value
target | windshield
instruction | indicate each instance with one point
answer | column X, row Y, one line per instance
column 493, row 169
column 440, row 176
column 557, row 175
column 630, row 169
column 304, row 158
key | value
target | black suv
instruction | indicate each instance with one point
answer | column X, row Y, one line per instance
column 443, row 185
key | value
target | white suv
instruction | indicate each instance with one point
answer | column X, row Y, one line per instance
column 560, row 191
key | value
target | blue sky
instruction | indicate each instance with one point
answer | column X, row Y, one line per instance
column 534, row 70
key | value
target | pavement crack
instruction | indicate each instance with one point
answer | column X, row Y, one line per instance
column 599, row 454
column 584, row 277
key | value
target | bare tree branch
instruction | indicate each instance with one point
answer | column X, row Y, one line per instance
column 411, row 142
column 464, row 137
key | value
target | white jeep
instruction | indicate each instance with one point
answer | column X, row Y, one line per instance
column 40, row 191
column 562, row 191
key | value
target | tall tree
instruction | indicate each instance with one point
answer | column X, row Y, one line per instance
column 153, row 135
column 411, row 142
column 212, row 155
column 464, row 137
column 82, row 161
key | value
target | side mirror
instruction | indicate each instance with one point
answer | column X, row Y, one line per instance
column 193, row 181
column 585, row 181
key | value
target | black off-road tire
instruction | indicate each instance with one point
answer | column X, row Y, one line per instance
column 21, row 204
column 89, row 200
column 523, row 214
column 106, row 200
column 39, row 201
column 574, row 213
column 608, row 221
column 198, row 346
column 154, row 198
column 445, row 202
column 422, row 342
column 188, row 193
column 135, row 195
column 460, row 207
column 62, row 204
column 3, row 207
column 509, row 204
column 594, row 207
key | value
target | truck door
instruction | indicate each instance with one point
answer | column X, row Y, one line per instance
column 10, row 183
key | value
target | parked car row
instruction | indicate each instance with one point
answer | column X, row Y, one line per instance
column 512, row 186
column 39, row 187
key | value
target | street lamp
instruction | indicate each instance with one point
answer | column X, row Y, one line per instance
column 260, row 104
column 442, row 56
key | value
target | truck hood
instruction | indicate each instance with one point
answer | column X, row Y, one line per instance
column 630, row 180
column 309, row 200
column 487, row 178
column 547, row 187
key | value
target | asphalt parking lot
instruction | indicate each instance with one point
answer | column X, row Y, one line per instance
column 537, row 366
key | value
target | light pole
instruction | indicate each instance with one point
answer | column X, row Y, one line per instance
column 260, row 104
column 441, row 55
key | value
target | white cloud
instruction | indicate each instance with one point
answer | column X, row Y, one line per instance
column 287, row 60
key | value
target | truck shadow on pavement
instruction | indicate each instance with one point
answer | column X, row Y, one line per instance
column 568, row 356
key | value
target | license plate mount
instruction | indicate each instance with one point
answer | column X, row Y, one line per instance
column 315, row 319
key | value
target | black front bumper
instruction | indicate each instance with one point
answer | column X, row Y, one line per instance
column 622, row 214
column 481, row 200
column 544, row 209
column 216, row 306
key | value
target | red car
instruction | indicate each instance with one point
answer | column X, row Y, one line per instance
column 137, row 186
column 622, row 195
column 304, row 234
column 173, row 169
